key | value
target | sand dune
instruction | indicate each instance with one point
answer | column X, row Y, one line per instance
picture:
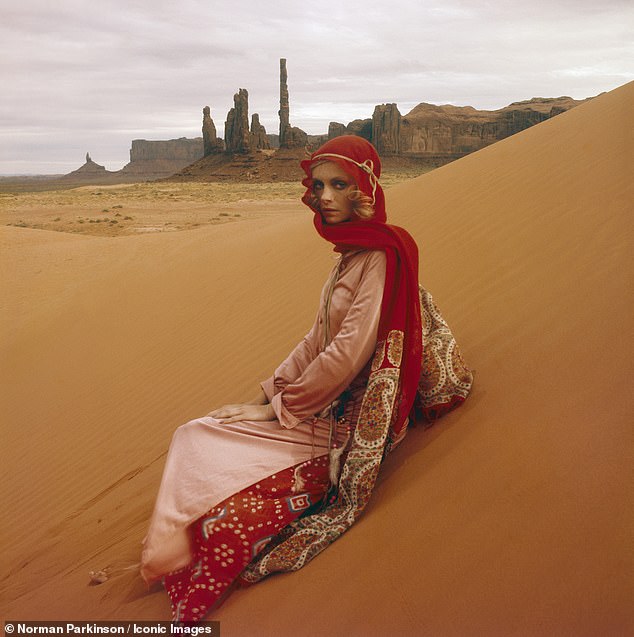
column 511, row 517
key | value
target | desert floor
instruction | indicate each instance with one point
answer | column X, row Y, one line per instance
column 117, row 210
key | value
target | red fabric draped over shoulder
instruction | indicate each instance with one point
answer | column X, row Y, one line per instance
column 400, row 308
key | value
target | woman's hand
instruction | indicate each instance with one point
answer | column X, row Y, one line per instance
column 233, row 413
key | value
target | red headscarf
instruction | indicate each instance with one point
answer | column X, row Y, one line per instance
column 400, row 307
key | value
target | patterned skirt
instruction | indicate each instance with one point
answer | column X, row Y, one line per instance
column 232, row 533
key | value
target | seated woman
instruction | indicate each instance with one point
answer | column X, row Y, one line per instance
column 255, row 488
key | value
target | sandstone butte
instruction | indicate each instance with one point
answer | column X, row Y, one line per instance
column 510, row 517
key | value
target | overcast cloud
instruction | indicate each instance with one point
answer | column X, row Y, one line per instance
column 81, row 76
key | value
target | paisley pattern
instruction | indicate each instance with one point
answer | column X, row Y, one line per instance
column 395, row 347
column 445, row 379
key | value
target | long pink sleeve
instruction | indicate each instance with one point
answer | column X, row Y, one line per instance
column 310, row 379
column 296, row 362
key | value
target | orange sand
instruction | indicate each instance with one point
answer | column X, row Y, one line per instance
column 511, row 517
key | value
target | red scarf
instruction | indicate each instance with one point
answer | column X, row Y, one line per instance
column 400, row 307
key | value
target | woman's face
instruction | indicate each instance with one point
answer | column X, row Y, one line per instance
column 331, row 186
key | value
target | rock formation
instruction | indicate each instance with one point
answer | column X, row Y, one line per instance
column 290, row 136
column 443, row 133
column 156, row 159
column 386, row 129
column 430, row 134
column 284, row 106
column 557, row 109
column 211, row 143
column 313, row 142
column 149, row 160
column 90, row 169
column 180, row 150
column 90, row 172
column 296, row 138
column 336, row 129
column 258, row 137
column 237, row 138
column 360, row 127
column 460, row 130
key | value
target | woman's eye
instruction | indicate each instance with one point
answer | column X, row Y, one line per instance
column 317, row 185
column 340, row 185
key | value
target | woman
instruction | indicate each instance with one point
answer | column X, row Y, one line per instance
column 262, row 487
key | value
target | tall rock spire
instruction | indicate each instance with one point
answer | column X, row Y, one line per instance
column 290, row 136
column 211, row 143
column 237, row 124
column 284, row 107
column 259, row 140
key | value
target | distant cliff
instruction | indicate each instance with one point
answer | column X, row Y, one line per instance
column 177, row 150
column 446, row 132
column 149, row 160
column 155, row 159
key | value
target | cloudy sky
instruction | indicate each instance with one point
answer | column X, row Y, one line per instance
column 80, row 75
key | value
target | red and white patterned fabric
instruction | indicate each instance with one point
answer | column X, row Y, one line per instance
column 231, row 534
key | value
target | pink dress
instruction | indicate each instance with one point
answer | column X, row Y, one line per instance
column 217, row 477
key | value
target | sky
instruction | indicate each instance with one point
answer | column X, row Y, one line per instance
column 81, row 76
